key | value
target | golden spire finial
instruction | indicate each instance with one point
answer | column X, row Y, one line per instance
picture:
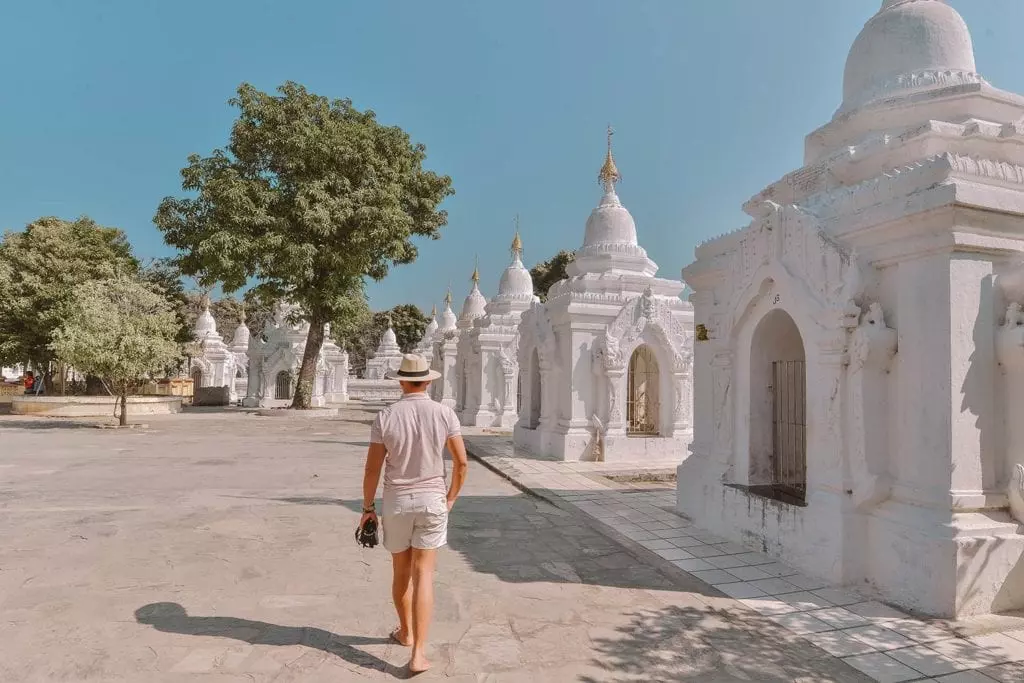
column 448, row 296
column 475, row 277
column 609, row 174
column 433, row 310
column 517, row 241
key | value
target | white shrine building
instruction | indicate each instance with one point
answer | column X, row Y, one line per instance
column 606, row 361
column 444, row 355
column 240, row 350
column 386, row 358
column 492, row 344
column 859, row 346
column 275, row 358
column 473, row 308
column 214, row 365
column 425, row 346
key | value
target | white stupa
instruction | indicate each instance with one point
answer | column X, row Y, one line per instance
column 862, row 362
column 493, row 348
column 620, row 337
column 214, row 365
column 445, row 353
column 387, row 357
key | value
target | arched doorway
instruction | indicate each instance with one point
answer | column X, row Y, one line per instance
column 643, row 405
column 778, row 409
column 197, row 379
column 535, row 388
column 283, row 386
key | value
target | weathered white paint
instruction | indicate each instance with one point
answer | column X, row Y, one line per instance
column 895, row 252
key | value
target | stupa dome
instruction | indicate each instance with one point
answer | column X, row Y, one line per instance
column 609, row 242
column 610, row 223
column 241, row 337
column 389, row 338
column 205, row 324
column 428, row 334
column 473, row 306
column 909, row 45
column 448, row 319
column 516, row 282
column 475, row 303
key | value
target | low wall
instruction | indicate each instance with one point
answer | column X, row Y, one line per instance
column 374, row 390
column 93, row 406
column 211, row 396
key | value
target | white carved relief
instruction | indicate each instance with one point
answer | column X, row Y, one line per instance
column 871, row 350
column 647, row 312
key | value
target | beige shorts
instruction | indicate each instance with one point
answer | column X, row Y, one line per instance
column 416, row 520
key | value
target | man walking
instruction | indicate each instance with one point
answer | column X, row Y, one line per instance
column 407, row 441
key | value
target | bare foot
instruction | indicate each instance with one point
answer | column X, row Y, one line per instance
column 418, row 664
column 401, row 637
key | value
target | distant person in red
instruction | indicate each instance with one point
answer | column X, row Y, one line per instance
column 30, row 382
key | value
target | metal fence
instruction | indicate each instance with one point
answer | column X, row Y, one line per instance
column 789, row 428
column 642, row 400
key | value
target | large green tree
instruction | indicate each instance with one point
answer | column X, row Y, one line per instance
column 120, row 330
column 309, row 197
column 40, row 269
column 407, row 320
column 547, row 273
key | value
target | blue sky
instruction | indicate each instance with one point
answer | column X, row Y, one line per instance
column 710, row 101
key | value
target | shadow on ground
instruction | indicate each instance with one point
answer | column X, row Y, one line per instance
column 170, row 617
column 712, row 646
column 521, row 539
column 41, row 423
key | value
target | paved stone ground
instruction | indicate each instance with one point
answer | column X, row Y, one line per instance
column 883, row 642
column 219, row 547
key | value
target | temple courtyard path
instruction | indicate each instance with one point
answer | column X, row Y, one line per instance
column 219, row 547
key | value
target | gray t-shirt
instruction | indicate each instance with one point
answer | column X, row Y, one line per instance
column 414, row 430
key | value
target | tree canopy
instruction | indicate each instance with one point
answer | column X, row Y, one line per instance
column 41, row 267
column 547, row 273
column 309, row 197
column 120, row 329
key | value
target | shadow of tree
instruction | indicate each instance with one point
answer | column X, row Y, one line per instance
column 711, row 646
column 170, row 617
column 521, row 539
column 49, row 424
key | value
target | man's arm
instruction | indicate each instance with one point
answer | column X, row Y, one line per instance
column 371, row 477
column 460, row 465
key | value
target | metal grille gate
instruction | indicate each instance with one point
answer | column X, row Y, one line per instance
column 283, row 386
column 789, row 428
column 642, row 400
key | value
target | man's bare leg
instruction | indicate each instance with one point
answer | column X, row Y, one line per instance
column 401, row 593
column 422, row 606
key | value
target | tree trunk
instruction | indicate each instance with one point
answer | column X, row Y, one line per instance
column 303, row 399
column 124, row 406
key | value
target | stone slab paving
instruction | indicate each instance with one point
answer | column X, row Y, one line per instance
column 884, row 643
column 218, row 547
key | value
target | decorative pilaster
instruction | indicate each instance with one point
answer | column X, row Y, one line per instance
column 872, row 348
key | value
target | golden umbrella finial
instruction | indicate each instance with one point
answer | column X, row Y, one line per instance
column 433, row 310
column 609, row 174
column 448, row 296
column 517, row 242
column 475, row 277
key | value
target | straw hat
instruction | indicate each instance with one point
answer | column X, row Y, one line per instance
column 414, row 368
